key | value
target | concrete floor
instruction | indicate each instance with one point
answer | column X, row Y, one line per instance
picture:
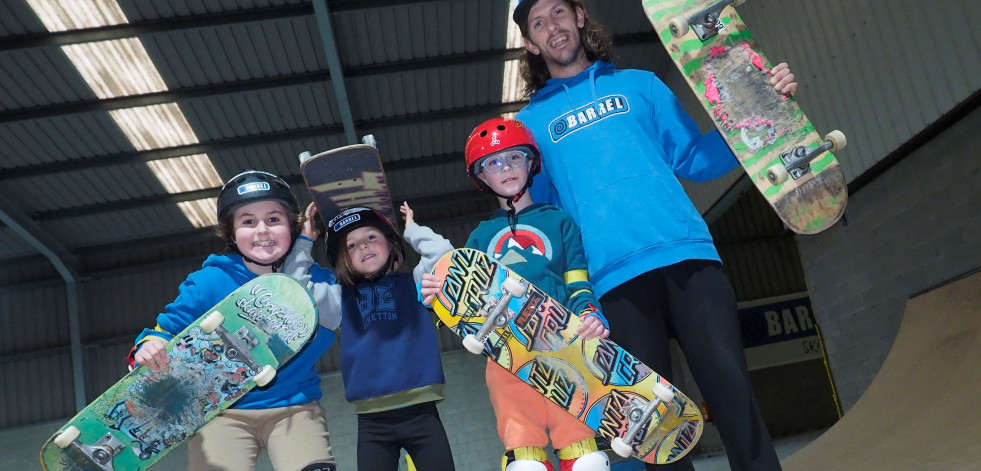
column 19, row 449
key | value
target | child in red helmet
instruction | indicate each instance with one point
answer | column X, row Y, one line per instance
column 389, row 351
column 543, row 245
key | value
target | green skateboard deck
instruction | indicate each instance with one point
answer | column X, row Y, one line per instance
column 237, row 345
column 789, row 163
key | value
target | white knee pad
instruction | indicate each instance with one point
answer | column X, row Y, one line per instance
column 595, row 461
column 526, row 465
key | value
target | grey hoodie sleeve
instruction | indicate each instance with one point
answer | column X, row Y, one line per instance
column 327, row 296
column 430, row 245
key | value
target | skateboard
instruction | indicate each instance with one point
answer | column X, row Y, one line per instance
column 237, row 345
column 523, row 330
column 345, row 177
column 789, row 163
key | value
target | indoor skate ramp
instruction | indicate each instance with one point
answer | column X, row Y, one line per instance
column 923, row 410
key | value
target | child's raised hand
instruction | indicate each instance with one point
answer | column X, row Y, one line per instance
column 309, row 229
column 592, row 327
column 407, row 214
column 153, row 354
column 782, row 79
column 428, row 288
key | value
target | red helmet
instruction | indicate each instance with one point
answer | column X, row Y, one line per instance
column 495, row 135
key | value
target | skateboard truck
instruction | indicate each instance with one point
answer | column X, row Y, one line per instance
column 637, row 414
column 705, row 23
column 797, row 161
column 238, row 346
column 100, row 453
column 498, row 317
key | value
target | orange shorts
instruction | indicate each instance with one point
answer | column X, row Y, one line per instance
column 524, row 415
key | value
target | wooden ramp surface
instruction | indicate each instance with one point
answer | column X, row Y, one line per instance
column 923, row 410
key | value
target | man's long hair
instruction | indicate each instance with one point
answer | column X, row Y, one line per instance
column 597, row 44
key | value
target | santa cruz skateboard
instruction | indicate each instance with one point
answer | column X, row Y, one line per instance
column 235, row 346
column 533, row 336
column 786, row 159
column 345, row 177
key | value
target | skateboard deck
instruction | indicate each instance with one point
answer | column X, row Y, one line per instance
column 789, row 163
column 213, row 362
column 345, row 177
column 533, row 336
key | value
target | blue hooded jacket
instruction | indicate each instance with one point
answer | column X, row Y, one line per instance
column 297, row 382
column 612, row 143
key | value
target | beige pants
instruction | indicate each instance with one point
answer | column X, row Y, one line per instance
column 294, row 437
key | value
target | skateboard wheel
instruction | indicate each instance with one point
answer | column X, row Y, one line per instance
column 664, row 393
column 620, row 447
column 678, row 26
column 776, row 174
column 837, row 140
column 473, row 345
column 266, row 374
column 210, row 323
column 513, row 287
column 66, row 437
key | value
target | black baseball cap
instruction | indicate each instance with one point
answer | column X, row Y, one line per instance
column 520, row 15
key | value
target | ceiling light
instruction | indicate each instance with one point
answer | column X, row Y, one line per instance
column 155, row 126
column 66, row 15
column 187, row 173
column 120, row 67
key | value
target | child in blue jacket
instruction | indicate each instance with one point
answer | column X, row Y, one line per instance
column 259, row 218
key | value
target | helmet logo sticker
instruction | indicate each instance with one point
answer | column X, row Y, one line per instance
column 495, row 141
column 346, row 222
column 252, row 187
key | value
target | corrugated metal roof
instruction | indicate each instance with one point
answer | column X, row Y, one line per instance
column 252, row 80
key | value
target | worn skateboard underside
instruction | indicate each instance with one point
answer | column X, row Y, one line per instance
column 147, row 414
column 730, row 77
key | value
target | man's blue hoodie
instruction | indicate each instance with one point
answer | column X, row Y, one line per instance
column 612, row 143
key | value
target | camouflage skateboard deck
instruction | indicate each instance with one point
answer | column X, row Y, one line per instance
column 595, row 380
column 789, row 163
column 345, row 177
column 213, row 362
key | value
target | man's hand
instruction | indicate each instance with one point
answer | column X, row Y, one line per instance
column 153, row 354
column 782, row 79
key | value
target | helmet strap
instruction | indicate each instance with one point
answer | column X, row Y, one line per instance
column 513, row 215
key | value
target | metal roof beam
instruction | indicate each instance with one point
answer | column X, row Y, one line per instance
column 267, row 83
column 65, row 263
column 181, row 23
column 326, row 27
column 250, row 141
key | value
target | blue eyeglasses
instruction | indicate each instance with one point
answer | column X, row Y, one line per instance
column 496, row 163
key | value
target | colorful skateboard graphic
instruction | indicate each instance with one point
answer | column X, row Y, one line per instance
column 789, row 163
column 533, row 337
column 235, row 346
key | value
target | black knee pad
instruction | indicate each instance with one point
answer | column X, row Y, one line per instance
column 320, row 467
